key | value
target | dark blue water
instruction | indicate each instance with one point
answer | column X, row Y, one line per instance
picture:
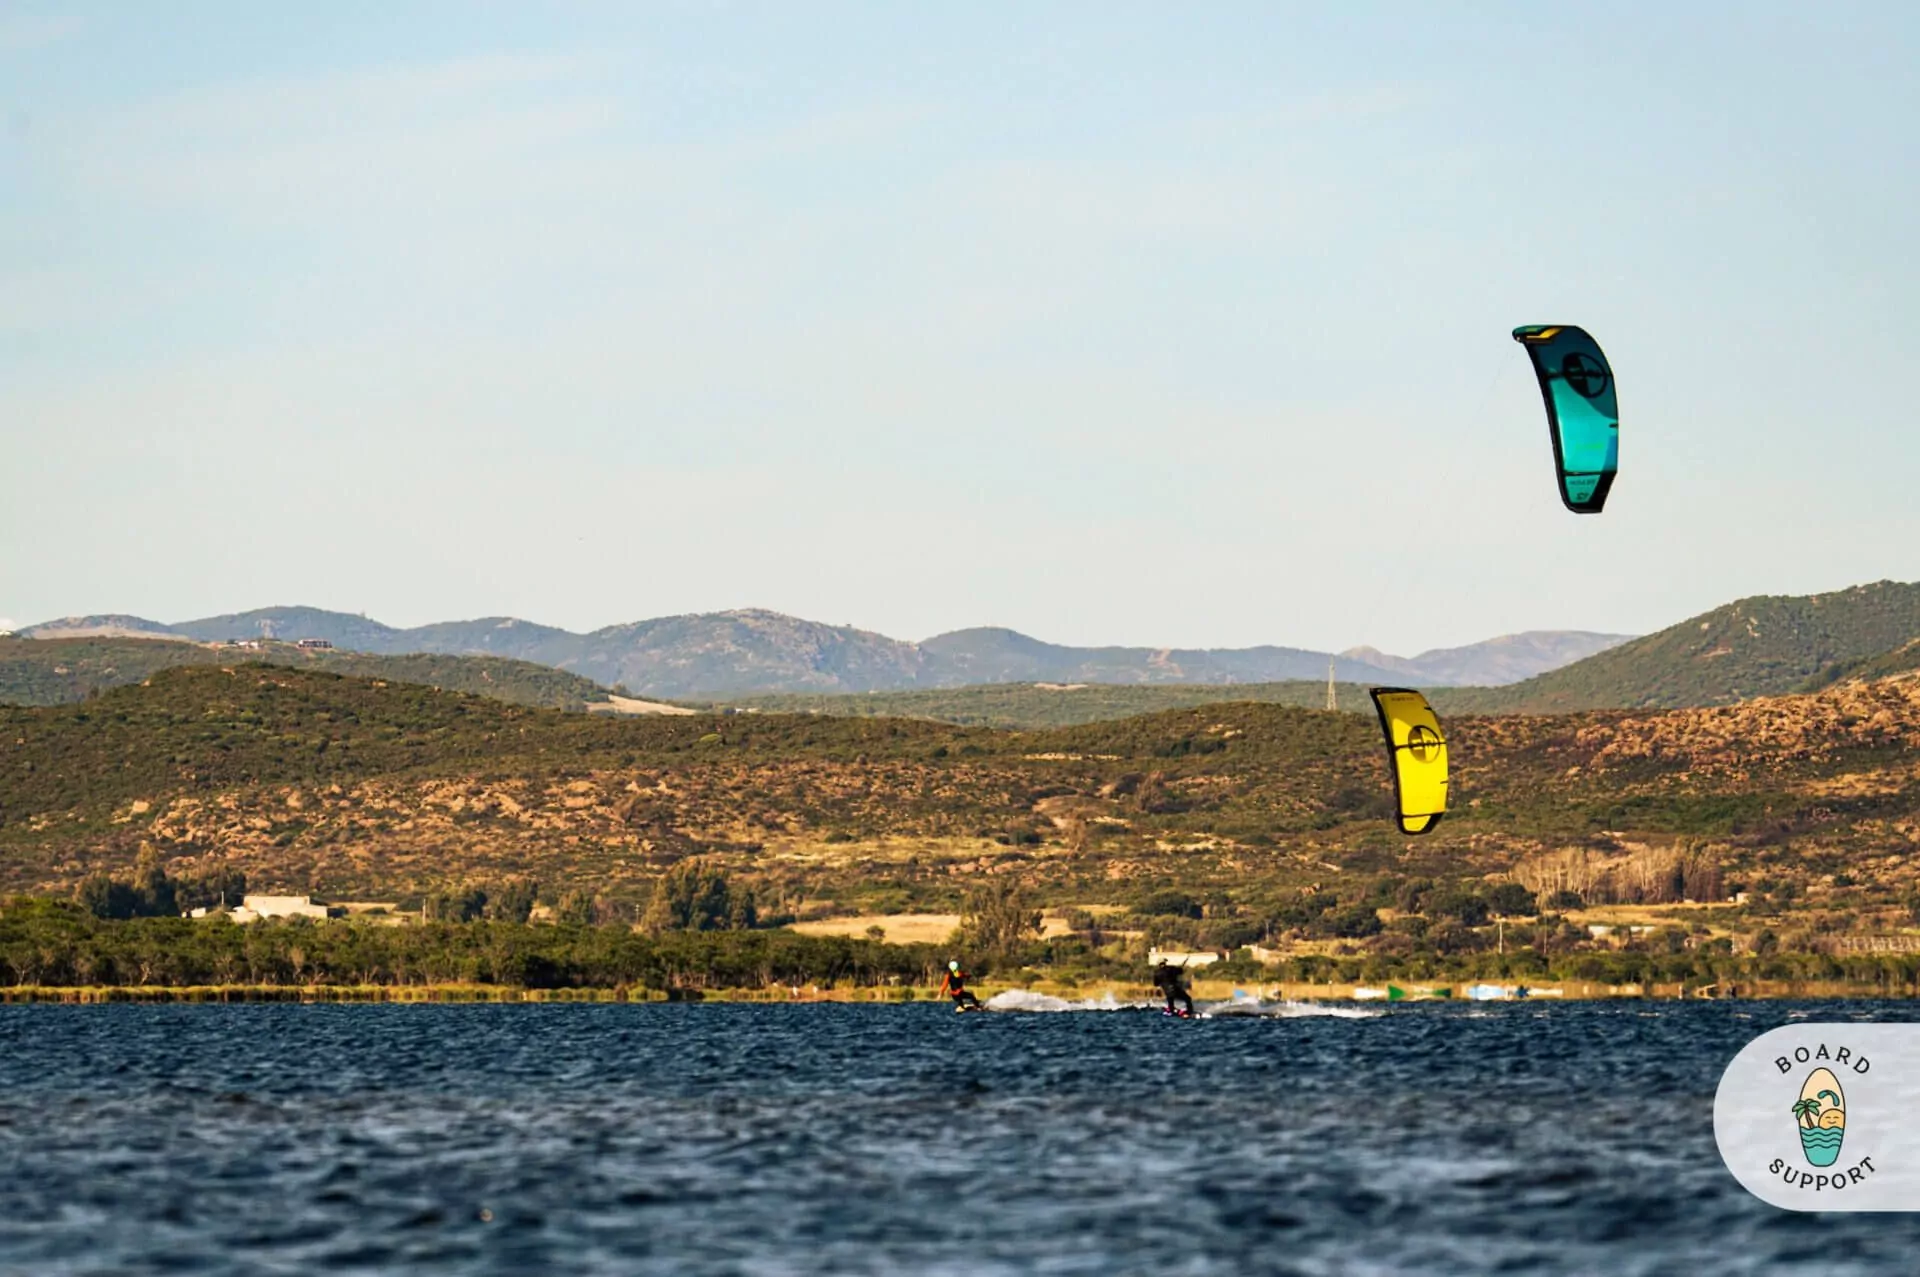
column 813, row 1139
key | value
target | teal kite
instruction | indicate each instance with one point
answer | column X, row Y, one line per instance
column 1583, row 416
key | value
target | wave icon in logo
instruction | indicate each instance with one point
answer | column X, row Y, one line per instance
column 1821, row 1114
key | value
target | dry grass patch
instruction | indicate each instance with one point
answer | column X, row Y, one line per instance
column 900, row 928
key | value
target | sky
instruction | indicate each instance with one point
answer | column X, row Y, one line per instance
column 1108, row 322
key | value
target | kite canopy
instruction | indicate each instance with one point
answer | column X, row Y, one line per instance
column 1418, row 751
column 1583, row 416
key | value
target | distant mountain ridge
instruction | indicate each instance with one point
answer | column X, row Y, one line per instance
column 111, row 626
column 1507, row 659
column 754, row 650
column 1767, row 645
column 993, row 655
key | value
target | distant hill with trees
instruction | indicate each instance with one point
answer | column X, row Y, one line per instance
column 305, row 780
column 1762, row 646
column 62, row 671
column 756, row 651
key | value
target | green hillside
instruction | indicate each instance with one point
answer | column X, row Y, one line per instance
column 195, row 729
column 1901, row 660
column 1764, row 646
column 518, row 682
column 1036, row 705
column 1746, row 830
column 64, row 671
column 56, row 671
column 310, row 781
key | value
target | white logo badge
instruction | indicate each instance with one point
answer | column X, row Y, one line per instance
column 1825, row 1117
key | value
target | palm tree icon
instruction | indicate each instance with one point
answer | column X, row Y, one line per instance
column 1807, row 1111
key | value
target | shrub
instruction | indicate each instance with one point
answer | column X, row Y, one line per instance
column 1169, row 904
column 1511, row 899
column 1355, row 922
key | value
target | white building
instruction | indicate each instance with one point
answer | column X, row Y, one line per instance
column 1180, row 959
column 281, row 907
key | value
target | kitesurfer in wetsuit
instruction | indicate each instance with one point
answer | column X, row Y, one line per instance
column 1172, row 981
column 954, row 984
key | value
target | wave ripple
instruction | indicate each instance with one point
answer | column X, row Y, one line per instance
column 866, row 1139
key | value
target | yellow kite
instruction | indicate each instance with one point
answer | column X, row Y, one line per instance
column 1418, row 750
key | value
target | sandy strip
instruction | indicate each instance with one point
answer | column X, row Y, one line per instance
column 628, row 705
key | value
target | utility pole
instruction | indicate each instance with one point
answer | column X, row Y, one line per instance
column 1333, row 701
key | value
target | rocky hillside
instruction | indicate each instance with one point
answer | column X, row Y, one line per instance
column 350, row 787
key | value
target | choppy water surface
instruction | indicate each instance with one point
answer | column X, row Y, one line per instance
column 768, row 1139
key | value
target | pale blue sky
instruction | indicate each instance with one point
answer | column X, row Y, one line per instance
column 1108, row 322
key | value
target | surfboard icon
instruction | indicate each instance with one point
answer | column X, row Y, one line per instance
column 1821, row 1115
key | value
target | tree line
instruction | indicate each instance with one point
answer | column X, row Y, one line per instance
column 54, row 943
column 59, row 943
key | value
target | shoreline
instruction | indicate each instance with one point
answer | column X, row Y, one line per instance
column 900, row 995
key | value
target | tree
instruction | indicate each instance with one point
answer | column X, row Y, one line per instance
column 215, row 887
column 1469, row 909
column 1451, row 937
column 1170, row 904
column 153, row 890
column 1355, row 922
column 696, row 896
column 1412, row 896
column 997, row 916
column 1511, row 900
column 105, row 896
column 465, row 905
column 151, row 893
column 512, row 901
column 576, row 907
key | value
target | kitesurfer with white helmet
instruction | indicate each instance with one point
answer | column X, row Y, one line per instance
column 954, row 985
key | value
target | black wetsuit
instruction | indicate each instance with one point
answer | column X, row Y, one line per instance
column 1167, row 980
